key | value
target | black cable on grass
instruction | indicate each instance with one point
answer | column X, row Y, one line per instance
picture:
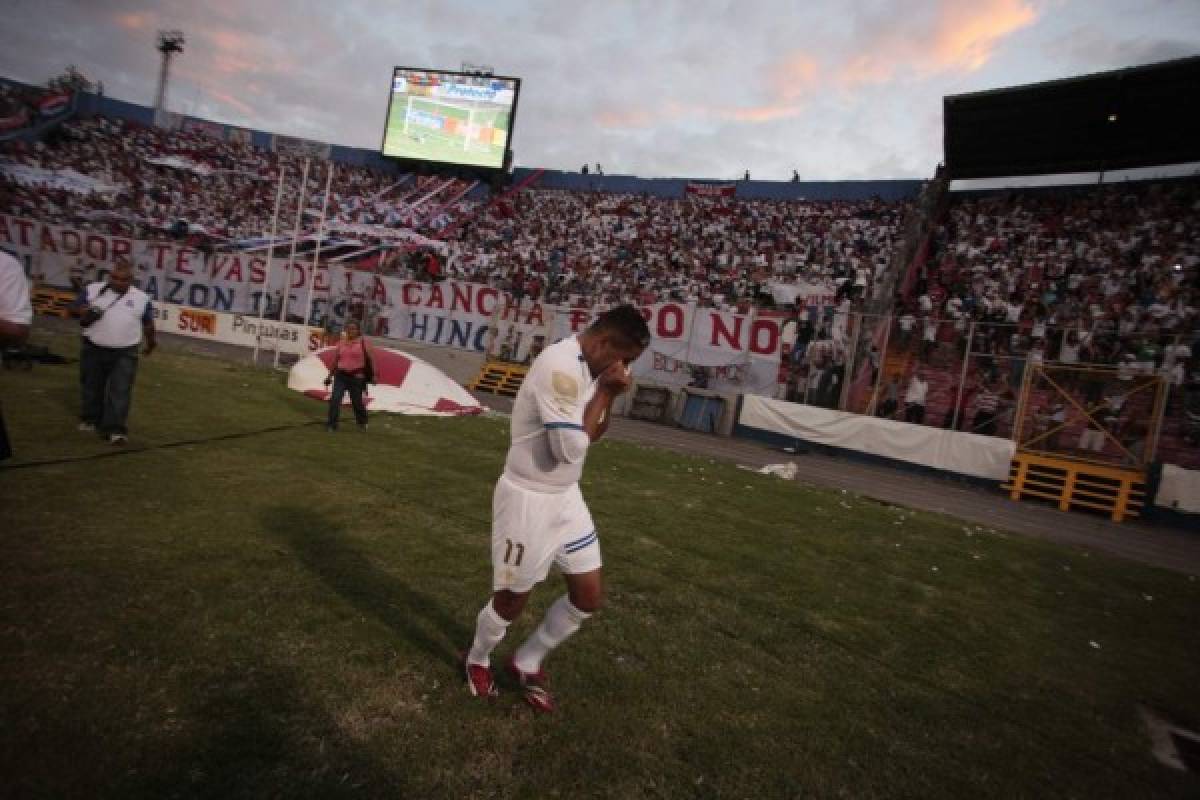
column 128, row 451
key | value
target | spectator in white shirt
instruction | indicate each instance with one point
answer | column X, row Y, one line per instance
column 914, row 398
column 116, row 315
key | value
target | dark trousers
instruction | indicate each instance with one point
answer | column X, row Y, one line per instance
column 343, row 383
column 914, row 413
column 5, row 447
column 106, row 377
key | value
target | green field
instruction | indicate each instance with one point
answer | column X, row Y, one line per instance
column 276, row 614
column 436, row 146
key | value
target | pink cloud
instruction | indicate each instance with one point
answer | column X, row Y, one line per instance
column 962, row 37
column 793, row 76
column 230, row 100
column 767, row 113
column 968, row 33
column 133, row 22
column 641, row 118
column 959, row 37
column 626, row 118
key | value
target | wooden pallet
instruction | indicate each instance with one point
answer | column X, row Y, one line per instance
column 1077, row 484
column 499, row 377
column 52, row 302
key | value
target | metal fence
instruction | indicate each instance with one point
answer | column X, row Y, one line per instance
column 969, row 376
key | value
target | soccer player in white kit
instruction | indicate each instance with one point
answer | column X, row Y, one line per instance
column 539, row 517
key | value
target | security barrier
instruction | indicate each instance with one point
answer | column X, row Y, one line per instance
column 1075, row 484
column 499, row 377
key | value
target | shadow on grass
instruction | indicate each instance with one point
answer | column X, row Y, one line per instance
column 322, row 545
column 255, row 731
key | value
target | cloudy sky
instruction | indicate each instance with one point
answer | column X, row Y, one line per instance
column 696, row 88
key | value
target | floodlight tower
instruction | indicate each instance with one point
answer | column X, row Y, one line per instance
column 169, row 43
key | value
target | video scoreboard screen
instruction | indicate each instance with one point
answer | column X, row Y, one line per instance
column 450, row 117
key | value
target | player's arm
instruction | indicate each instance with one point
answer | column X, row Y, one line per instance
column 597, row 414
column 565, row 417
column 614, row 381
column 148, row 329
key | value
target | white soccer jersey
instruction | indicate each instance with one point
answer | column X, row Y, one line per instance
column 124, row 315
column 549, row 443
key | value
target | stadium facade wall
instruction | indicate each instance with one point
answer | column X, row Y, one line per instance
column 144, row 115
column 749, row 190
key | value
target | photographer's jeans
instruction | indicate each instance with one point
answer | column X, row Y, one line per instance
column 106, row 379
column 343, row 383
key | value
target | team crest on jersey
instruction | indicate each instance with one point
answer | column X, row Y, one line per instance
column 566, row 389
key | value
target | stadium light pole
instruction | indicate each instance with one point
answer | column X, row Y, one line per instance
column 312, row 273
column 287, row 275
column 266, row 289
column 169, row 43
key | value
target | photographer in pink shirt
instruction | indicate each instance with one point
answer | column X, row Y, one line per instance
column 352, row 370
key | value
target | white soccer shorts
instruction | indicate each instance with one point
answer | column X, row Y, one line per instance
column 532, row 530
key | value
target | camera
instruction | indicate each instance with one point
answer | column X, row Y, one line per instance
column 90, row 315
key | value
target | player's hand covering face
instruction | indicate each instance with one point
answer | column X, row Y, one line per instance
column 616, row 356
column 616, row 379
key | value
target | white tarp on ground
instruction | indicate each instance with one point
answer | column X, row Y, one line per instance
column 963, row 453
column 405, row 384
column 1179, row 489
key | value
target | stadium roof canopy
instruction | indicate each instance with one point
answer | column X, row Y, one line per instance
column 1136, row 117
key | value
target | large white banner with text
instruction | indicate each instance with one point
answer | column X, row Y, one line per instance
column 730, row 352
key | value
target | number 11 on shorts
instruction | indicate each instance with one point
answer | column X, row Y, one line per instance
column 508, row 551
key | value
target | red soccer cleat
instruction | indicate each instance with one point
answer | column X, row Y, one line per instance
column 479, row 680
column 535, row 687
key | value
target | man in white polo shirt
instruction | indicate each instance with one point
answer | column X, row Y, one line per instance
column 539, row 517
column 115, row 316
column 16, row 315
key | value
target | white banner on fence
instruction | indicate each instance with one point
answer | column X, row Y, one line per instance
column 809, row 294
column 245, row 330
column 67, row 179
column 738, row 352
column 1179, row 489
column 963, row 453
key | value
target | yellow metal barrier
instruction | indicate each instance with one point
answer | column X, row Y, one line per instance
column 1075, row 484
column 499, row 377
column 51, row 302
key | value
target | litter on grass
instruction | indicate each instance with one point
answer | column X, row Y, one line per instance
column 785, row 471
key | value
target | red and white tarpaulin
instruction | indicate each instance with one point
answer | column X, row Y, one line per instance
column 405, row 385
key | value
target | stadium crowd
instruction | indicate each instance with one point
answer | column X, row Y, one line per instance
column 1094, row 275
column 153, row 180
column 581, row 248
column 1101, row 276
column 560, row 246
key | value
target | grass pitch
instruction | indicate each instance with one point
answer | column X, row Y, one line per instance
column 426, row 144
column 277, row 614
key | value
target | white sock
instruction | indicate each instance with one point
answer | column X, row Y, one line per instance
column 562, row 619
column 490, row 628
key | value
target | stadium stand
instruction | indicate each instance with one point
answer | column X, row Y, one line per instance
column 1101, row 275
column 1105, row 276
column 150, row 180
column 582, row 248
